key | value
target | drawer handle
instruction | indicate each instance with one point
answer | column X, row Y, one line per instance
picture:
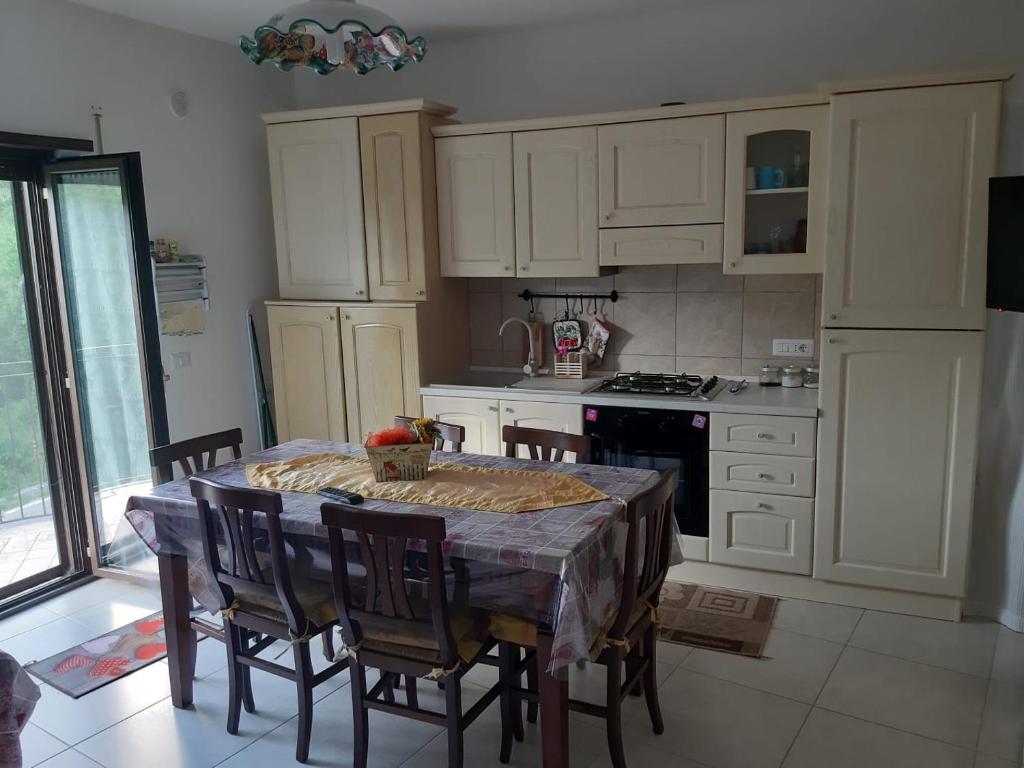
column 492, row 408
column 509, row 410
column 763, row 505
column 359, row 293
column 764, row 476
column 764, row 436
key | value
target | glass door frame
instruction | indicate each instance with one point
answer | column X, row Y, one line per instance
column 129, row 168
column 42, row 302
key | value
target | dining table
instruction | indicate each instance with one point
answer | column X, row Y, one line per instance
column 559, row 567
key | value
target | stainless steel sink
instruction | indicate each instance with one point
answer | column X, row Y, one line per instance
column 551, row 384
column 487, row 379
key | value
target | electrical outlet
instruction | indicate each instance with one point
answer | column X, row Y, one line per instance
column 793, row 347
column 181, row 360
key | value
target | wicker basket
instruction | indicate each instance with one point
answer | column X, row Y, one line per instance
column 571, row 366
column 399, row 462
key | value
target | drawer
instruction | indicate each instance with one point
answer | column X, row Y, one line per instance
column 760, row 530
column 779, row 435
column 638, row 246
column 762, row 473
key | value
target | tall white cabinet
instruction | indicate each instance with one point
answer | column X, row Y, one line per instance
column 901, row 352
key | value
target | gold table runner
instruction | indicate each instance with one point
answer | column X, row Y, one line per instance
column 447, row 485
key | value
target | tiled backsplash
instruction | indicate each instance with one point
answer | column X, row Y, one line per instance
column 687, row 318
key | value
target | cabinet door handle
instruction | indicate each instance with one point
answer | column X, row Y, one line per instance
column 330, row 318
column 492, row 408
column 420, row 293
column 832, row 340
column 359, row 292
column 508, row 268
column 523, row 268
column 509, row 410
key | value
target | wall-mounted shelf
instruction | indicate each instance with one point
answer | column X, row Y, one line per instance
column 778, row 191
column 183, row 280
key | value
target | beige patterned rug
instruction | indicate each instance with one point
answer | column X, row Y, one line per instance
column 717, row 619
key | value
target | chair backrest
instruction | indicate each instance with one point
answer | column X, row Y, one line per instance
column 383, row 539
column 545, row 444
column 231, row 510
column 648, row 549
column 452, row 433
column 194, row 455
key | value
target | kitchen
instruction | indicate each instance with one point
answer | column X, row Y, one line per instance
column 703, row 244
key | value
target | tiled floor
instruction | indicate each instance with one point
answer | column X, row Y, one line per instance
column 840, row 688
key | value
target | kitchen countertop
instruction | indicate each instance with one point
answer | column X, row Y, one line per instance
column 769, row 401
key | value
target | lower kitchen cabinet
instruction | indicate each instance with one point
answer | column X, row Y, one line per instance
column 898, row 441
column 558, row 417
column 305, row 358
column 484, row 419
column 478, row 416
column 759, row 530
column 381, row 364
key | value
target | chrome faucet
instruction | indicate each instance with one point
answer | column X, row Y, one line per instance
column 529, row 369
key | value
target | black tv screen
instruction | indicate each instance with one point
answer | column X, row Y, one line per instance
column 1006, row 243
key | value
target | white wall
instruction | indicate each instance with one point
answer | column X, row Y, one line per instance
column 205, row 176
column 738, row 48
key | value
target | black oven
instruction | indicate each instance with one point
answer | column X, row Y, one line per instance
column 660, row 440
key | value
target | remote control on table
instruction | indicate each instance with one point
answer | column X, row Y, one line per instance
column 336, row 494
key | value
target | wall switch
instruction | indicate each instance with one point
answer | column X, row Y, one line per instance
column 793, row 347
column 181, row 360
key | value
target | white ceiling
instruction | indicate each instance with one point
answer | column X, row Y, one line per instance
column 227, row 19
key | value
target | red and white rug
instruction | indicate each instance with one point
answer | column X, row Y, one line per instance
column 91, row 665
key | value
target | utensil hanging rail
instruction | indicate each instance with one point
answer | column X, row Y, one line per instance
column 528, row 295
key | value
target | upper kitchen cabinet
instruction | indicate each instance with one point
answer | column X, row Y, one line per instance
column 662, row 172
column 398, row 205
column 355, row 203
column 318, row 209
column 775, row 179
column 908, row 195
column 555, row 182
column 897, row 443
column 475, row 209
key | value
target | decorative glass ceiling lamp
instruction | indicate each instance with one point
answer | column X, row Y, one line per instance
column 326, row 35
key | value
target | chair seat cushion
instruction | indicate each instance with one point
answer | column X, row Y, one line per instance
column 522, row 632
column 469, row 630
column 315, row 597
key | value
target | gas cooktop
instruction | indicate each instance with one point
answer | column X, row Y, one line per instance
column 675, row 384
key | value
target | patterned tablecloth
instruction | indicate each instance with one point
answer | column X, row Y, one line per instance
column 560, row 567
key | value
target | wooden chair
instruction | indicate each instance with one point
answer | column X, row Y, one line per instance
column 385, row 626
column 451, row 433
column 255, row 598
column 545, row 444
column 631, row 638
column 195, row 455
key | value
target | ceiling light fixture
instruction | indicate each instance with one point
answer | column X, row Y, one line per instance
column 326, row 35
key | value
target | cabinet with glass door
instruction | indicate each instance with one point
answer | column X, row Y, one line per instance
column 775, row 178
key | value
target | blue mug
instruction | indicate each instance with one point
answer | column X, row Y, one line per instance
column 771, row 177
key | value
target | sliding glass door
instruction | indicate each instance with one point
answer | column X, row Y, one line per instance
column 98, row 218
column 33, row 530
